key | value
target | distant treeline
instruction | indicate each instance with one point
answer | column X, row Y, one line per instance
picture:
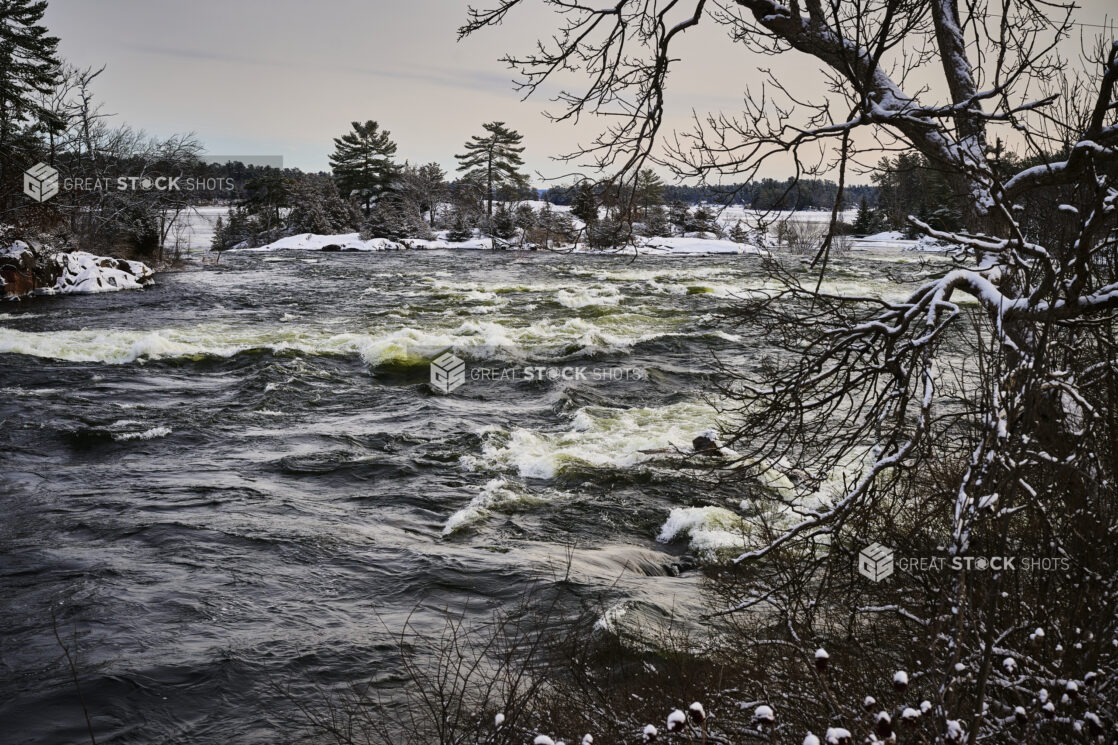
column 766, row 194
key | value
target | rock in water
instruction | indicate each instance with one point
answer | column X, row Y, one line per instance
column 707, row 444
column 22, row 273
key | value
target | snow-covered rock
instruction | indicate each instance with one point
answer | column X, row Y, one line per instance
column 83, row 273
column 17, row 267
column 22, row 273
column 315, row 242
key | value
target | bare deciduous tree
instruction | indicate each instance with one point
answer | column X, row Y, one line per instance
column 976, row 414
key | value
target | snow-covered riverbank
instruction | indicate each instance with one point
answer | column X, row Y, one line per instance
column 644, row 246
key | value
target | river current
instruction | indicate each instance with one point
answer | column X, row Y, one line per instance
column 242, row 474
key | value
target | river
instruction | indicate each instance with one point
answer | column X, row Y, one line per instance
column 242, row 474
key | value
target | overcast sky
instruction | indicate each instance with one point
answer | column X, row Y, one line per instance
column 284, row 77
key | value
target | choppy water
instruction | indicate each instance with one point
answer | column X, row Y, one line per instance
column 241, row 476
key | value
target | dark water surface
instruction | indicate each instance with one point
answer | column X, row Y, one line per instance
column 240, row 476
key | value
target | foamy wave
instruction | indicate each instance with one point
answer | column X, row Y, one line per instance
column 597, row 438
column 583, row 298
column 495, row 494
column 474, row 339
column 149, row 434
column 709, row 529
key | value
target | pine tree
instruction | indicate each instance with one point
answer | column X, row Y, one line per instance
column 649, row 191
column 217, row 243
column 585, row 204
column 362, row 163
column 526, row 217
column 557, row 226
column 494, row 160
column 266, row 195
column 703, row 221
column 503, row 224
column 738, row 233
column 316, row 207
column 679, row 216
column 656, row 223
column 28, row 67
column 609, row 232
column 460, row 228
column 864, row 222
column 396, row 221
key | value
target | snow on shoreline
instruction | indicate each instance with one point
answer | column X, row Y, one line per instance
column 644, row 246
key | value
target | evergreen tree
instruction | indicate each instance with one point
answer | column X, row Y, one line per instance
column 217, row 243
column 608, row 232
column 494, row 160
column 738, row 233
column 526, row 217
column 316, row 207
column 703, row 220
column 460, row 228
column 362, row 163
column 28, row 67
column 266, row 195
column 679, row 216
column 585, row 204
column 423, row 188
column 655, row 224
column 865, row 222
column 911, row 185
column 648, row 191
column 503, row 224
column 396, row 221
column 242, row 227
column 555, row 225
